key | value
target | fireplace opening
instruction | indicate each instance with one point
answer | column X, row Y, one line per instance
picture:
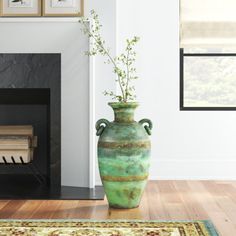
column 27, row 107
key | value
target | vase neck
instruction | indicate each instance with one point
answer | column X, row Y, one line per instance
column 124, row 113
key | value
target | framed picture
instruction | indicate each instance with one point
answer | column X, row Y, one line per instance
column 63, row 7
column 20, row 7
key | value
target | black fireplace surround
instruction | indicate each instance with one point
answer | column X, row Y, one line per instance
column 30, row 94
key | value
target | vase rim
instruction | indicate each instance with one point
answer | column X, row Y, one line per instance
column 123, row 104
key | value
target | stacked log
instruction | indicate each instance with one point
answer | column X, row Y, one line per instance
column 17, row 144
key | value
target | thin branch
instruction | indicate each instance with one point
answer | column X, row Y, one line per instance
column 107, row 53
column 127, row 73
column 122, row 65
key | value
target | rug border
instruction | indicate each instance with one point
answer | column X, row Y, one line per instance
column 208, row 223
column 210, row 227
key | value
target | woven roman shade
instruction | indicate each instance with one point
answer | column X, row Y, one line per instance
column 207, row 23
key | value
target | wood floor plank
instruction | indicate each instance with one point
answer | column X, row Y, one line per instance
column 3, row 203
column 193, row 208
column 27, row 210
column 156, row 211
column 208, row 201
column 11, row 208
column 66, row 209
column 162, row 200
column 46, row 209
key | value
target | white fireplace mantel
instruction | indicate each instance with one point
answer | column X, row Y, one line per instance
column 63, row 35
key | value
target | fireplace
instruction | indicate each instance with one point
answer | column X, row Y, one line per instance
column 30, row 94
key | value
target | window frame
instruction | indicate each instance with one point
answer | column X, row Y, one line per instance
column 181, row 100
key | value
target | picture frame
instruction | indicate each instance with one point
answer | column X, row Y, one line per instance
column 64, row 8
column 21, row 8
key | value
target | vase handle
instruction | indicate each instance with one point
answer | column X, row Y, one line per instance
column 148, row 127
column 101, row 125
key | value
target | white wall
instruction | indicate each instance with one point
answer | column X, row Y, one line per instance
column 185, row 144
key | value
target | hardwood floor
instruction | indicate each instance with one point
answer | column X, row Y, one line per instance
column 162, row 200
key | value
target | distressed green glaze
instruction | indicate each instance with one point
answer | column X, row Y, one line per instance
column 123, row 155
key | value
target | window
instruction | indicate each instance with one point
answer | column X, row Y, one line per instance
column 207, row 55
column 207, row 79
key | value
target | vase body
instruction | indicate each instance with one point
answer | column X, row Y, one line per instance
column 124, row 156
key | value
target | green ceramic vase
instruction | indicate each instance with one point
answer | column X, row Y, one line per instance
column 124, row 155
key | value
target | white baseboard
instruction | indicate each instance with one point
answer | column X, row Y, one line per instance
column 191, row 170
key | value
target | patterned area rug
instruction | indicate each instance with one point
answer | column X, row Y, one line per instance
column 106, row 228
